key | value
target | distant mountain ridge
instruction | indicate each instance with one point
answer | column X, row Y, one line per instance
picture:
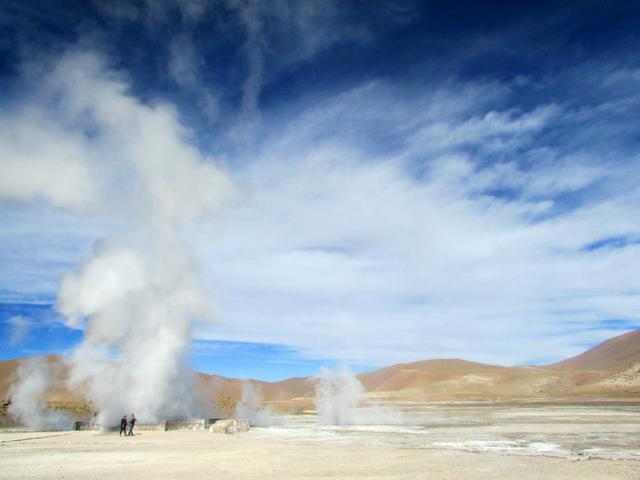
column 610, row 370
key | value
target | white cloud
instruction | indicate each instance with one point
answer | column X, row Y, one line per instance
column 351, row 257
column 20, row 328
column 140, row 153
column 41, row 161
column 185, row 66
column 494, row 130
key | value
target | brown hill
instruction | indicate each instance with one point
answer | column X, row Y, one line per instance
column 58, row 369
column 408, row 375
column 610, row 356
column 607, row 371
column 7, row 376
column 455, row 379
column 596, row 373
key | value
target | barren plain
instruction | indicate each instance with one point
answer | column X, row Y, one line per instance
column 425, row 441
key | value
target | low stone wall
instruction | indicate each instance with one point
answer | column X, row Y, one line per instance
column 7, row 422
column 84, row 426
column 164, row 426
column 150, row 427
column 192, row 424
column 160, row 427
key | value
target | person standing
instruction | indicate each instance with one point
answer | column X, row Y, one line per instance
column 123, row 425
column 132, row 422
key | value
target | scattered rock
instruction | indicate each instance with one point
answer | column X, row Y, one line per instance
column 230, row 426
column 629, row 376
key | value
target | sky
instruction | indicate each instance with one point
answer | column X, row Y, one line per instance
column 394, row 180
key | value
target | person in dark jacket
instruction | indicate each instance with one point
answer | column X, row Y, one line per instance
column 123, row 425
column 132, row 422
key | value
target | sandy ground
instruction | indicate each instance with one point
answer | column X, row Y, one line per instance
column 434, row 443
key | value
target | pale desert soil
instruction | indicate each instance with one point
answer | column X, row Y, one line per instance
column 421, row 441
column 196, row 455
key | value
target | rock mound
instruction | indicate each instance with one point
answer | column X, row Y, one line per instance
column 230, row 426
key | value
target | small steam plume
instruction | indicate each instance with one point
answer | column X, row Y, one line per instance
column 340, row 400
column 250, row 408
column 337, row 397
column 35, row 376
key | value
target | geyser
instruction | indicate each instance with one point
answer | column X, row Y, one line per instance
column 250, row 408
column 35, row 376
column 139, row 309
column 138, row 297
column 338, row 395
column 340, row 400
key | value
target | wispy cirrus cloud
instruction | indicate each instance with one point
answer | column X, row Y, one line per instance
column 444, row 246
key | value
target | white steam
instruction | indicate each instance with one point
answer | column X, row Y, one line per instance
column 140, row 306
column 338, row 395
column 35, row 376
column 250, row 408
column 138, row 297
column 340, row 400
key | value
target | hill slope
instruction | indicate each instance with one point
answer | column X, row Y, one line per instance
column 606, row 371
column 610, row 356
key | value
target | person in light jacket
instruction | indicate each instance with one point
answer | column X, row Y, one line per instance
column 132, row 422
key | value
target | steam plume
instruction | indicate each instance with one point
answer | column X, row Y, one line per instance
column 138, row 297
column 340, row 400
column 139, row 307
column 35, row 376
column 337, row 397
column 250, row 408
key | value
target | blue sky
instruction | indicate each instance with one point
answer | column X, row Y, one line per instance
column 410, row 179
